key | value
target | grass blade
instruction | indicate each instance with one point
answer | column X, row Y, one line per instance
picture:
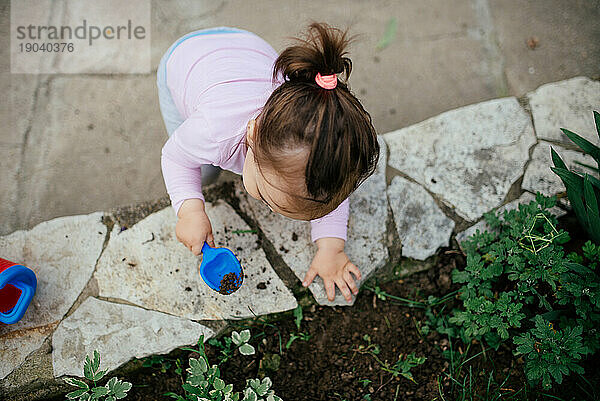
column 584, row 144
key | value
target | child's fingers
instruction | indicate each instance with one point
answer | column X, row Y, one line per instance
column 354, row 270
column 350, row 281
column 344, row 289
column 196, row 249
column 210, row 240
column 309, row 277
column 330, row 289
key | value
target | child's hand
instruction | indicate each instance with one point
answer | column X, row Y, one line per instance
column 334, row 267
column 193, row 226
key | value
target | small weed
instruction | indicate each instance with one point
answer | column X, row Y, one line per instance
column 401, row 367
column 293, row 337
column 157, row 361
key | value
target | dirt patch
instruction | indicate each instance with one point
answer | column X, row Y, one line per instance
column 331, row 365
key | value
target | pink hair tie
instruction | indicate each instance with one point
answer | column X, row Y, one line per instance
column 326, row 81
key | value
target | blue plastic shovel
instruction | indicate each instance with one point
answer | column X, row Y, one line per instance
column 218, row 262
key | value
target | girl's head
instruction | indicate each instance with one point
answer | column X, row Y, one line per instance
column 310, row 147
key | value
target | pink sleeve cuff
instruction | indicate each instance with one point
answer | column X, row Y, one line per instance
column 334, row 224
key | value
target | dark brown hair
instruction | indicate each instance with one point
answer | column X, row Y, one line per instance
column 330, row 124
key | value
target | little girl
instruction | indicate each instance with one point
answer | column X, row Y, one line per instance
column 301, row 140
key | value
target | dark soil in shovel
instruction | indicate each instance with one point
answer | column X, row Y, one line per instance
column 230, row 283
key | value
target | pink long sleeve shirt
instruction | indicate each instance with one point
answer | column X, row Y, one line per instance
column 219, row 82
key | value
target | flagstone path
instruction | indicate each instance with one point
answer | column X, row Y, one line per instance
column 128, row 288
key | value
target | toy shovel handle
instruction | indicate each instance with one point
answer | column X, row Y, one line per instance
column 206, row 247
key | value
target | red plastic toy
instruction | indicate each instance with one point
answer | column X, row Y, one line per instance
column 17, row 287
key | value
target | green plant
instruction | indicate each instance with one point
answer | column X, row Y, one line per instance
column 401, row 367
column 238, row 340
column 114, row 389
column 583, row 191
column 298, row 316
column 519, row 285
column 404, row 364
column 157, row 361
column 294, row 336
column 204, row 383
column 551, row 352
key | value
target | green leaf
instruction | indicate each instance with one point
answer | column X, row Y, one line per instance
column 76, row 382
column 110, row 398
column 298, row 316
column 264, row 387
column 390, row 33
column 96, row 362
column 558, row 162
column 99, row 391
column 247, row 349
column 245, row 336
column 118, row 388
column 235, row 336
column 197, row 366
column 249, row 395
column 218, row 384
column 76, row 394
column 87, row 369
column 591, row 204
column 98, row 376
column 584, row 144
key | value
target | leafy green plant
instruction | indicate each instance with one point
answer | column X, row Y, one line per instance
column 518, row 284
column 241, row 341
column 204, row 383
column 551, row 352
column 114, row 389
column 583, row 191
column 229, row 344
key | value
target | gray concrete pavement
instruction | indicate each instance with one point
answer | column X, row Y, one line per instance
column 73, row 144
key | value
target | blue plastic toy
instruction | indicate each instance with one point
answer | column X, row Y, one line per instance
column 216, row 263
column 17, row 287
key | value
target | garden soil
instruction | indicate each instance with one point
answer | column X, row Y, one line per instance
column 330, row 365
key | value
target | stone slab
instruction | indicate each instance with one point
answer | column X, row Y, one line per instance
column 366, row 232
column 539, row 177
column 566, row 104
column 525, row 198
column 147, row 266
column 16, row 346
column 119, row 333
column 468, row 157
column 62, row 252
column 421, row 225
